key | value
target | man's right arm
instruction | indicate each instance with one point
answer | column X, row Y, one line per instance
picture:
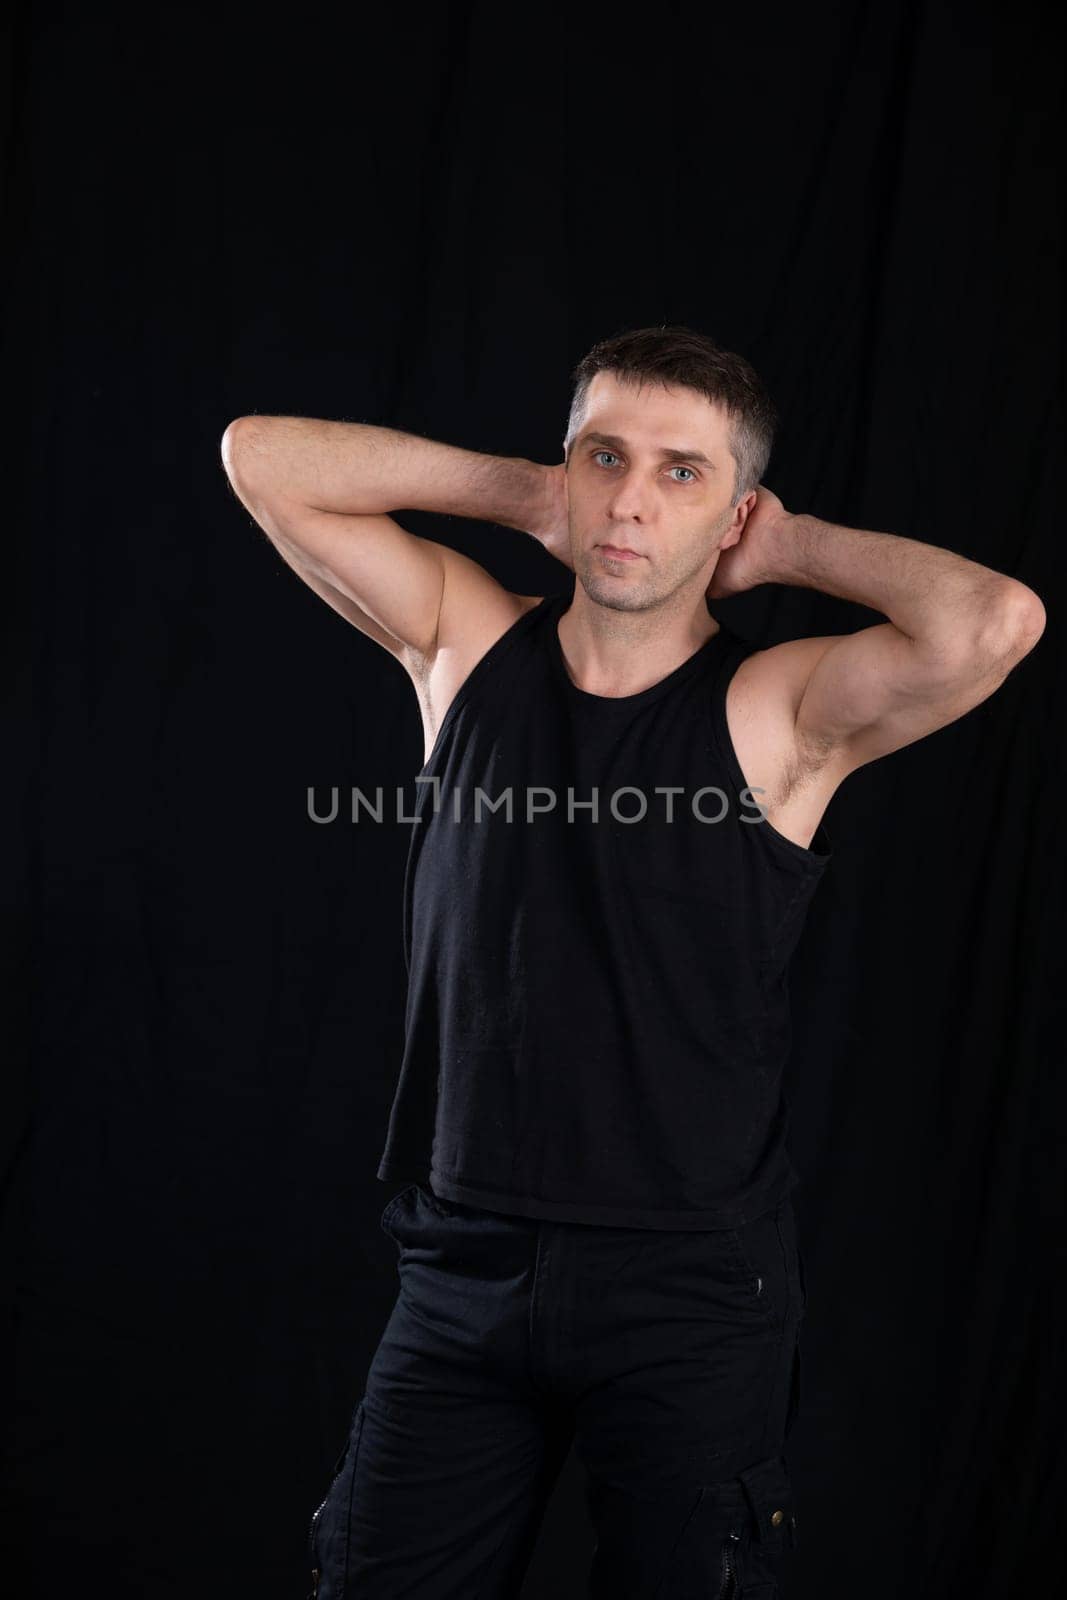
column 321, row 491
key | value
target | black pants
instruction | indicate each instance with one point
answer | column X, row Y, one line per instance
column 671, row 1359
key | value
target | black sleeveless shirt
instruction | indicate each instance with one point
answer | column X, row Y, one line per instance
column 597, row 1011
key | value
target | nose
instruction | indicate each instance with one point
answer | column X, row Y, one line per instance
column 628, row 501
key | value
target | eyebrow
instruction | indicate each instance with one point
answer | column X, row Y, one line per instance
column 666, row 454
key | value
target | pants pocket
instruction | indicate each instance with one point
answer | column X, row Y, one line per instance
column 766, row 1254
column 391, row 1205
column 760, row 1267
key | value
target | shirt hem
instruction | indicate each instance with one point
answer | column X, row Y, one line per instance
column 709, row 1219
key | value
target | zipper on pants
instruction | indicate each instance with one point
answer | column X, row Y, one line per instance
column 313, row 1554
column 728, row 1586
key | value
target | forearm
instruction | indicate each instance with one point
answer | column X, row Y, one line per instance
column 359, row 469
column 930, row 594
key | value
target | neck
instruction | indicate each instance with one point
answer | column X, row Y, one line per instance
column 612, row 653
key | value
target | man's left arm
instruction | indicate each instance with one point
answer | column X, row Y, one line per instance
column 957, row 629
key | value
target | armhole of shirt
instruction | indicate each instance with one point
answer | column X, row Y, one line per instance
column 495, row 651
column 818, row 853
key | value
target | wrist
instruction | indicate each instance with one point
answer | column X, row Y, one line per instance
column 519, row 494
column 784, row 548
column 540, row 495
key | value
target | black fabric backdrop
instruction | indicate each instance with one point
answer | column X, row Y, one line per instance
column 422, row 219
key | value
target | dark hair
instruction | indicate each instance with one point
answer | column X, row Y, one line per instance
column 673, row 354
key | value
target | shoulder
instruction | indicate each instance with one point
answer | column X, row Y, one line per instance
column 762, row 698
column 770, row 680
column 462, row 645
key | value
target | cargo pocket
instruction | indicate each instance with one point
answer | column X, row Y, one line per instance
column 769, row 1494
column 731, row 1537
column 328, row 1534
column 771, row 1526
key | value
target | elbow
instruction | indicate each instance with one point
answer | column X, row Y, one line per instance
column 229, row 445
column 243, row 445
column 1014, row 624
column 1002, row 628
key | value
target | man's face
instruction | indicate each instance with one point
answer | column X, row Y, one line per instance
column 673, row 511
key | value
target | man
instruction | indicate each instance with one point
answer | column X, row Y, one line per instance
column 618, row 834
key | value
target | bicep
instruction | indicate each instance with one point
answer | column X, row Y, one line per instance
column 868, row 693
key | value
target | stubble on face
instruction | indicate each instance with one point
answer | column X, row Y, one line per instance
column 676, row 530
column 650, row 583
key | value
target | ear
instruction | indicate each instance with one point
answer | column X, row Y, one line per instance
column 735, row 527
column 745, row 505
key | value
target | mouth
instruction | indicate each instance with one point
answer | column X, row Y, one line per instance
column 614, row 552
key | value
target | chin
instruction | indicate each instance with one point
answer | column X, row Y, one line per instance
column 612, row 595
